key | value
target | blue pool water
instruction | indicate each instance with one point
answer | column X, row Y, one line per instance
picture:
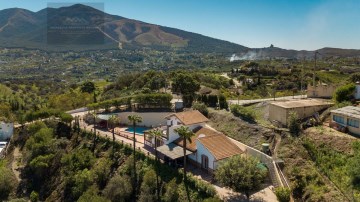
column 138, row 130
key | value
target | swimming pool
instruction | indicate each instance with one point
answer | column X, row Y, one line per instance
column 138, row 130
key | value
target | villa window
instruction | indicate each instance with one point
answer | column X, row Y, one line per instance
column 338, row 119
column 353, row 123
column 204, row 162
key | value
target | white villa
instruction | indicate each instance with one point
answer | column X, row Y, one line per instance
column 207, row 148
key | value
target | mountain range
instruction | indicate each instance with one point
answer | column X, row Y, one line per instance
column 80, row 27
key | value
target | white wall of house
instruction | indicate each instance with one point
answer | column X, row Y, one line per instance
column 149, row 118
column 6, row 130
column 193, row 157
column 201, row 150
column 172, row 134
column 176, row 124
column 174, row 121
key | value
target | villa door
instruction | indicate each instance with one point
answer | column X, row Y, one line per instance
column 204, row 162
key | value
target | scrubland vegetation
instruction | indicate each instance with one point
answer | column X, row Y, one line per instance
column 59, row 164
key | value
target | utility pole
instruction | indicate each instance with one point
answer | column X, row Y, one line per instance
column 302, row 78
column 314, row 84
column 274, row 90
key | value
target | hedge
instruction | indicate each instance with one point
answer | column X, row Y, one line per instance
column 161, row 100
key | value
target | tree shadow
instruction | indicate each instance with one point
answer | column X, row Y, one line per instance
column 231, row 196
column 237, row 197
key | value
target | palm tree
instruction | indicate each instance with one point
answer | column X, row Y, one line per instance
column 134, row 119
column 186, row 135
column 114, row 121
column 156, row 133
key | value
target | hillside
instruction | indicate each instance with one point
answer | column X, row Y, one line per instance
column 53, row 162
column 23, row 28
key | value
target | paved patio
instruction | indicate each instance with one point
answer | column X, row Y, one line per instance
column 108, row 134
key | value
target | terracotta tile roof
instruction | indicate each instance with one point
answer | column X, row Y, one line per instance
column 198, row 131
column 220, row 146
column 190, row 117
column 217, row 143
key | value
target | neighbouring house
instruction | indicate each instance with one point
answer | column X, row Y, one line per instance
column 207, row 148
column 2, row 148
column 346, row 119
column 321, row 91
column 6, row 130
column 279, row 111
column 102, row 120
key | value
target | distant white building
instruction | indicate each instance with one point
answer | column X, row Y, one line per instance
column 206, row 149
column 321, row 91
column 357, row 91
column 6, row 130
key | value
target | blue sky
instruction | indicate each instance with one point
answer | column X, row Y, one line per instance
column 291, row 24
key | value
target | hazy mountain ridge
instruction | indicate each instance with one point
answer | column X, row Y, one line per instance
column 27, row 29
column 23, row 28
column 275, row 52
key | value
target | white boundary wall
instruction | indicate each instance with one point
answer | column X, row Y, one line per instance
column 149, row 118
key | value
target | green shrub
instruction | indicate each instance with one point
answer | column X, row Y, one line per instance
column 242, row 174
column 343, row 104
column 77, row 160
column 6, row 181
column 171, row 193
column 243, row 112
column 148, row 187
column 91, row 195
column 212, row 100
column 102, row 172
column 119, row 188
column 80, row 182
column 294, row 125
column 201, row 107
column 222, row 102
column 162, row 100
column 344, row 93
column 283, row 194
column 39, row 143
column 34, row 196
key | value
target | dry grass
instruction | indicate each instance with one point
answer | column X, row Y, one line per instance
column 336, row 140
column 249, row 134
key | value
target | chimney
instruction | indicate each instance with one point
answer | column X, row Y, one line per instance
column 168, row 125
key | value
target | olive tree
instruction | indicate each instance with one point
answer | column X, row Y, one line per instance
column 241, row 174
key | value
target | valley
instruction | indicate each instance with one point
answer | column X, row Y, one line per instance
column 98, row 107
